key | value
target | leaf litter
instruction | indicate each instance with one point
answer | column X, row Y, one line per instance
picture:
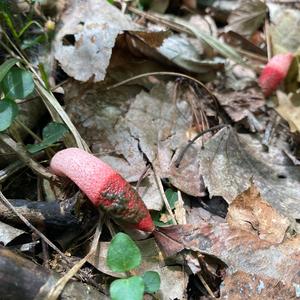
column 237, row 205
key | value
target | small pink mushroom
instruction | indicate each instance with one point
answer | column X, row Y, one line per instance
column 274, row 72
column 105, row 187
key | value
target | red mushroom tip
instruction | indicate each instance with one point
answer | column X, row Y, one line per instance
column 274, row 72
column 105, row 187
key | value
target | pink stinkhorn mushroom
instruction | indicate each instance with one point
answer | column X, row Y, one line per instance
column 274, row 72
column 105, row 187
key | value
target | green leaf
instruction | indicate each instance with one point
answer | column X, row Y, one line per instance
column 17, row 84
column 27, row 43
column 151, row 281
column 123, row 254
column 6, row 66
column 172, row 197
column 52, row 133
column 8, row 111
column 28, row 25
column 156, row 215
column 131, row 288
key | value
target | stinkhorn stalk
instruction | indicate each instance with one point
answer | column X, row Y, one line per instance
column 274, row 72
column 106, row 188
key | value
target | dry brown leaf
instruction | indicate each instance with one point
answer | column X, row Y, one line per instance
column 284, row 34
column 248, row 17
column 83, row 45
column 288, row 108
column 240, row 250
column 243, row 286
column 238, row 103
column 248, row 211
column 179, row 212
column 126, row 132
column 229, row 161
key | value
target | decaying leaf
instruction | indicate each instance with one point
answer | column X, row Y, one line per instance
column 248, row 211
column 284, row 34
column 229, row 161
column 173, row 50
column 240, row 286
column 288, row 108
column 9, row 233
column 238, row 103
column 248, row 17
column 240, row 250
column 149, row 127
column 173, row 280
column 84, row 43
column 181, row 52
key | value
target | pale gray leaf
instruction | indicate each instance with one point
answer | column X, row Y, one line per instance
column 230, row 161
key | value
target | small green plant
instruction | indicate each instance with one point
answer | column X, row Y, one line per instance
column 123, row 256
column 51, row 134
column 15, row 83
column 172, row 198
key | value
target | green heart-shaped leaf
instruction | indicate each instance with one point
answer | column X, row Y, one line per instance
column 52, row 133
column 131, row 288
column 123, row 254
column 151, row 281
column 8, row 111
column 17, row 83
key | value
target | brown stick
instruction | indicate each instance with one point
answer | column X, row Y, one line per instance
column 22, row 279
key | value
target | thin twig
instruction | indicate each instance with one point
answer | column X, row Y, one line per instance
column 29, row 225
column 263, row 59
column 215, row 99
column 268, row 39
column 57, row 289
column 160, row 73
column 162, row 192
column 142, row 177
column 157, row 19
column 180, row 157
column 24, row 156
column 11, row 169
column 206, row 286
column 28, row 130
